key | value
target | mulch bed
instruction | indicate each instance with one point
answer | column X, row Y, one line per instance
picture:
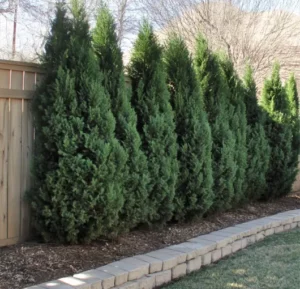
column 32, row 263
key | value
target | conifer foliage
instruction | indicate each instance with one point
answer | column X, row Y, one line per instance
column 78, row 183
column 257, row 143
column 111, row 65
column 238, row 125
column 281, row 173
column 217, row 105
column 156, row 125
column 194, row 195
column 294, row 117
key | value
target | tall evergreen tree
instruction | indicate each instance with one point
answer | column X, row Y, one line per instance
column 293, row 113
column 78, row 182
column 281, row 173
column 156, row 125
column 238, row 125
column 257, row 144
column 110, row 62
column 216, row 102
column 194, row 195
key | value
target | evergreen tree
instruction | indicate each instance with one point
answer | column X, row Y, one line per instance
column 156, row 125
column 281, row 173
column 194, row 194
column 238, row 125
column 78, row 180
column 216, row 102
column 257, row 144
column 110, row 62
column 293, row 112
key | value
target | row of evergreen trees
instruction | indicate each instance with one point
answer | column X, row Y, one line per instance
column 186, row 139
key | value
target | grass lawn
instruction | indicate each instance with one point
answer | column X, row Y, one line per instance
column 273, row 263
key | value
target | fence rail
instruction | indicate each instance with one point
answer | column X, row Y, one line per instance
column 17, row 84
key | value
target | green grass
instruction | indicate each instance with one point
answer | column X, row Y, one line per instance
column 273, row 263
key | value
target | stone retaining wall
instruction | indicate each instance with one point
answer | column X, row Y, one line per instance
column 160, row 267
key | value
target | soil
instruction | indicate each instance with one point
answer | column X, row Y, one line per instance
column 33, row 263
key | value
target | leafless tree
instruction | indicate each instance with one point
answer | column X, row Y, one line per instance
column 255, row 31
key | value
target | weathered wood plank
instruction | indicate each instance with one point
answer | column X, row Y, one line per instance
column 4, row 78
column 14, row 169
column 27, row 142
column 4, row 135
column 16, row 94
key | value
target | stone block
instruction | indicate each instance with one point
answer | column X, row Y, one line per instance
column 216, row 255
column 192, row 249
column 287, row 227
column 235, row 233
column 97, row 278
column 35, row 287
column 221, row 241
column 121, row 276
column 179, row 271
column 162, row 278
column 227, row 250
column 155, row 264
column 194, row 265
column 56, row 285
column 269, row 232
column 147, row 282
column 294, row 225
column 206, row 246
column 129, row 285
column 236, row 246
column 169, row 258
column 75, row 283
column 207, row 259
column 251, row 239
column 299, row 224
column 136, row 268
column 278, row 229
column 260, row 236
column 244, row 243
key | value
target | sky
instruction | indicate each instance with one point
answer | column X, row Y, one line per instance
column 31, row 32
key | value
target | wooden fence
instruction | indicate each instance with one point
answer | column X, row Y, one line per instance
column 17, row 83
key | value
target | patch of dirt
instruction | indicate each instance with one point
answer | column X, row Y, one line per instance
column 28, row 264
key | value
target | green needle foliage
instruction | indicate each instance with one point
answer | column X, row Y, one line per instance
column 111, row 65
column 281, row 173
column 194, row 195
column 294, row 117
column 217, row 105
column 156, row 125
column 257, row 143
column 238, row 124
column 78, row 190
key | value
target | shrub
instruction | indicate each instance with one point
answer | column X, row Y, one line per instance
column 281, row 173
column 194, row 195
column 238, row 125
column 257, row 144
column 216, row 103
column 111, row 65
column 78, row 190
column 156, row 125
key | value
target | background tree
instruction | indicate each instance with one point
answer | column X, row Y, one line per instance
column 78, row 190
column 110, row 62
column 215, row 94
column 281, row 173
column 194, row 194
column 238, row 125
column 257, row 144
column 156, row 125
column 255, row 31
